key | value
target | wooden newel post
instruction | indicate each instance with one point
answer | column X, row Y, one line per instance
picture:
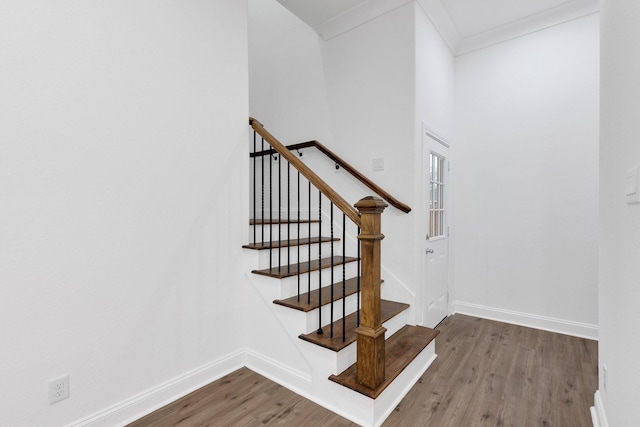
column 370, row 347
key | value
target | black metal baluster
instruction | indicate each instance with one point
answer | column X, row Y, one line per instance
column 309, row 245
column 288, row 217
column 254, row 189
column 358, row 280
column 331, row 221
column 270, row 211
column 320, row 331
column 298, row 236
column 279, row 213
column 262, row 191
column 344, row 282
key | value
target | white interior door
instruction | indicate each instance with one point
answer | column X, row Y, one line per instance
column 435, row 271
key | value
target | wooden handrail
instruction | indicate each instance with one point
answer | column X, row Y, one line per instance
column 311, row 176
column 354, row 172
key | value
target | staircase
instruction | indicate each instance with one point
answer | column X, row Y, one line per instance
column 322, row 274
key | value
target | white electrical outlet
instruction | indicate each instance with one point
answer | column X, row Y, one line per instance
column 377, row 164
column 58, row 389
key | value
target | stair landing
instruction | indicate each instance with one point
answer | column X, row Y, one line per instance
column 400, row 350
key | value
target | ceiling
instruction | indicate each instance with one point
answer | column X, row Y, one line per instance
column 465, row 25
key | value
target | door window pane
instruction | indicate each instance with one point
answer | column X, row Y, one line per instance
column 436, row 195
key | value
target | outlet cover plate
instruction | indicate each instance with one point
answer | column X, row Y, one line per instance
column 58, row 389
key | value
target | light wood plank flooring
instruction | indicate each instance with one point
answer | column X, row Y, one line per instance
column 487, row 374
column 496, row 374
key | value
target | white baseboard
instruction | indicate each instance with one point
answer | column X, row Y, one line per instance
column 561, row 326
column 598, row 416
column 300, row 383
column 276, row 371
column 594, row 417
column 146, row 402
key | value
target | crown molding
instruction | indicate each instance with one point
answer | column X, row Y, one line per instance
column 436, row 12
column 357, row 16
column 440, row 18
column 530, row 24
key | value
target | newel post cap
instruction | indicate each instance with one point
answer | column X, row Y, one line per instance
column 371, row 204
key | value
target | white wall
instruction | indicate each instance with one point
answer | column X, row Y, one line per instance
column 434, row 94
column 526, row 179
column 123, row 154
column 370, row 74
column 619, row 223
column 435, row 74
column 286, row 75
column 286, row 88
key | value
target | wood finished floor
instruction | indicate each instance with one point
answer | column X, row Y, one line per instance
column 487, row 374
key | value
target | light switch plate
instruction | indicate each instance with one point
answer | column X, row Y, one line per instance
column 377, row 164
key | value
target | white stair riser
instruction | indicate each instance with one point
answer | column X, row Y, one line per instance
column 293, row 230
column 337, row 362
column 289, row 285
column 274, row 233
column 281, row 231
column 396, row 323
column 312, row 319
column 291, row 215
column 347, row 356
column 307, row 322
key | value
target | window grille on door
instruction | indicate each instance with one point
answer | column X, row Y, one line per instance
column 436, row 195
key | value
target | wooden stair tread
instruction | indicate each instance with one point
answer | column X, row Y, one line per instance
column 400, row 350
column 304, row 267
column 388, row 309
column 307, row 303
column 288, row 243
column 281, row 221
